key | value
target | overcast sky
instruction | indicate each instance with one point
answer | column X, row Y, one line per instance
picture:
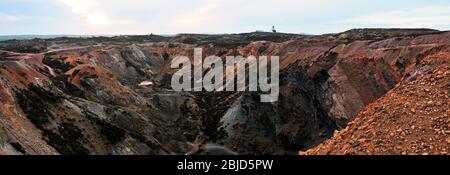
column 96, row 17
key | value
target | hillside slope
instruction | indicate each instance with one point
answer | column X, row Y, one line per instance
column 413, row 118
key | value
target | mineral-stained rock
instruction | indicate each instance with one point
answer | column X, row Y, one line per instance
column 83, row 95
column 397, row 125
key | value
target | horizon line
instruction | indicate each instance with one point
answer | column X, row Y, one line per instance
column 225, row 33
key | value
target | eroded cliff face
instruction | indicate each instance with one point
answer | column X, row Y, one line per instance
column 411, row 119
column 83, row 96
column 324, row 92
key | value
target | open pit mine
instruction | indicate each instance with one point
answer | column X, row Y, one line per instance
column 363, row 91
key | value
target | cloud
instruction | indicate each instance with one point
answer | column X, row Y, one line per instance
column 238, row 16
column 198, row 19
column 422, row 17
column 12, row 18
column 216, row 16
column 92, row 12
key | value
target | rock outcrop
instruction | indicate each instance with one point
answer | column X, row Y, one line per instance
column 411, row 119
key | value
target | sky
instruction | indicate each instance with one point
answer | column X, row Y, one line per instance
column 114, row 17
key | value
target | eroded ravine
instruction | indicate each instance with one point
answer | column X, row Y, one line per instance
column 87, row 100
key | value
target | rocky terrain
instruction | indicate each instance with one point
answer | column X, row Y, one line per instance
column 411, row 119
column 112, row 95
